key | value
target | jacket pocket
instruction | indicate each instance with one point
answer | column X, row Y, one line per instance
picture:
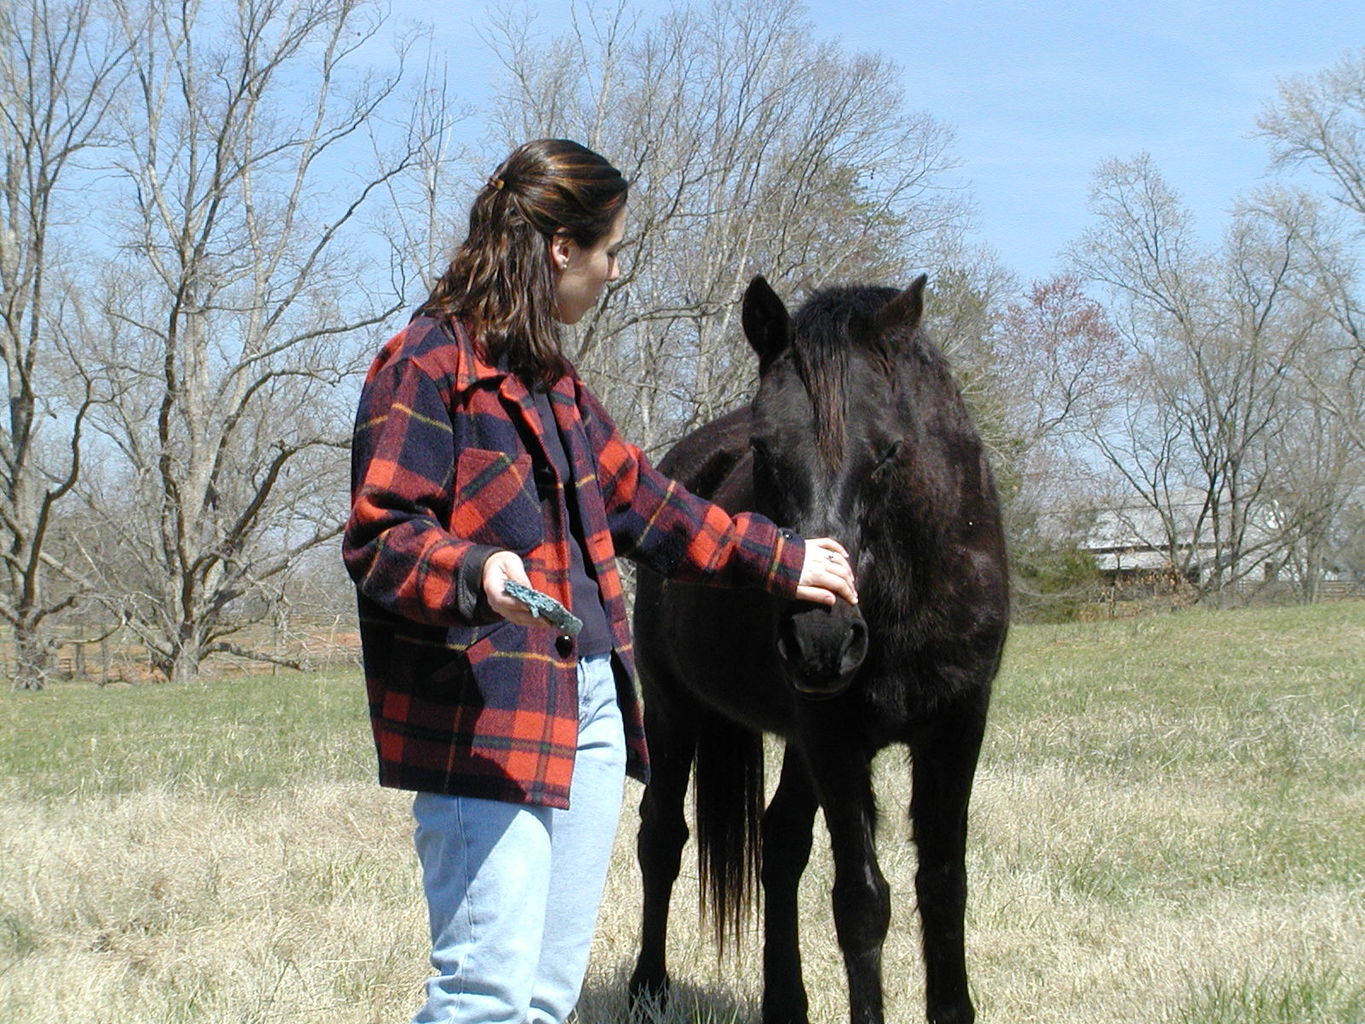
column 495, row 500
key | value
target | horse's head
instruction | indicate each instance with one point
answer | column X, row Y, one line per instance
column 825, row 436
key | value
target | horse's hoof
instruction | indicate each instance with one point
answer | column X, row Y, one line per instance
column 647, row 997
column 786, row 1015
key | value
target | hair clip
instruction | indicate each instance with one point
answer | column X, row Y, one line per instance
column 497, row 182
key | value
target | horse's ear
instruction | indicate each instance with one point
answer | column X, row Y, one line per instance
column 904, row 311
column 767, row 324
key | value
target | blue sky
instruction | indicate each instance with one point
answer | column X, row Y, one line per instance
column 1039, row 93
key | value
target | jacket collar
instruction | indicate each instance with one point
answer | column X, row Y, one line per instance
column 470, row 368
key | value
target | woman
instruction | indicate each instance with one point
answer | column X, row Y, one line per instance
column 480, row 457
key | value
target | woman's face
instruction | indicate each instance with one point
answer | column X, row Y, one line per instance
column 581, row 274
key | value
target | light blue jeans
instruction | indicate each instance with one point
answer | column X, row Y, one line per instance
column 513, row 889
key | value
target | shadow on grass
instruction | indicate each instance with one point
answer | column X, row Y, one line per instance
column 604, row 1001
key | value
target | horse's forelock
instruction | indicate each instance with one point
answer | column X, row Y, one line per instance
column 821, row 352
column 825, row 337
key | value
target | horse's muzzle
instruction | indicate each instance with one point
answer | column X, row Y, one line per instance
column 821, row 648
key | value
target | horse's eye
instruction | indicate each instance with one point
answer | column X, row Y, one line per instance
column 888, row 455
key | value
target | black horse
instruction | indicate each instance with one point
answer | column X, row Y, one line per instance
column 858, row 432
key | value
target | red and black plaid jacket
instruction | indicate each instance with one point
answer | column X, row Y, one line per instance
column 448, row 466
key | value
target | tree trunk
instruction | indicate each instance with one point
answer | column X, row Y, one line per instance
column 185, row 664
column 32, row 658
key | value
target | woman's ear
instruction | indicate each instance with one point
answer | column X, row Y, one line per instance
column 561, row 248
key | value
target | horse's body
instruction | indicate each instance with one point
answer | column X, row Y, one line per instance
column 857, row 432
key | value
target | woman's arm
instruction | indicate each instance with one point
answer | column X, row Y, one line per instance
column 396, row 545
column 657, row 521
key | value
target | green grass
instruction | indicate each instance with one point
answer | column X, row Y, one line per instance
column 1275, row 999
column 239, row 734
column 1250, row 719
column 1168, row 827
column 1199, row 688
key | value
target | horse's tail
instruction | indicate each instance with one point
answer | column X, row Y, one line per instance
column 729, row 798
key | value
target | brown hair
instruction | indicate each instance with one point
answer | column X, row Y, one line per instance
column 501, row 279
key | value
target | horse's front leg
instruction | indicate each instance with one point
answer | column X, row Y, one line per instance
column 670, row 725
column 862, row 899
column 787, row 826
column 945, row 749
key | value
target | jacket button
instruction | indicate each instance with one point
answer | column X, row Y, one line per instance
column 564, row 645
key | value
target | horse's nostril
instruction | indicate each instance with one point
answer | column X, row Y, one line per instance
column 855, row 646
column 783, row 651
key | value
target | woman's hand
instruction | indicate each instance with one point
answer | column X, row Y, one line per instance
column 826, row 573
column 500, row 567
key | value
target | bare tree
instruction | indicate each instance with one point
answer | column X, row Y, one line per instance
column 1215, row 338
column 1318, row 454
column 58, row 69
column 752, row 148
column 1054, row 364
column 1060, row 361
column 243, row 283
column 1317, row 123
column 1312, row 495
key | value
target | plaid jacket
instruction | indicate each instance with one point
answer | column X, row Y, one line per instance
column 448, row 466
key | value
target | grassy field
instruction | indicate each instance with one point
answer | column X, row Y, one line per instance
column 1169, row 827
